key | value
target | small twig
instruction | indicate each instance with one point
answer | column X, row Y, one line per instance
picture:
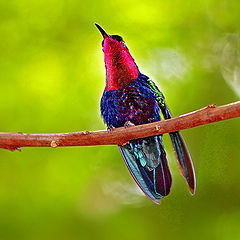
column 121, row 136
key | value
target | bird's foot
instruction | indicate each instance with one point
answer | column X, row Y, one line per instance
column 110, row 128
column 128, row 124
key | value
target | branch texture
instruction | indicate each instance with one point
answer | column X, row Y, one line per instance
column 121, row 136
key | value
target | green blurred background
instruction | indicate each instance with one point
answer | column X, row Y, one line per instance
column 51, row 79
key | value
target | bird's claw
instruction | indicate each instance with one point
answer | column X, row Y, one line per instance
column 128, row 124
column 110, row 128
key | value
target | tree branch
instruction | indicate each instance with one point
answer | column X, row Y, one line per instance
column 121, row 136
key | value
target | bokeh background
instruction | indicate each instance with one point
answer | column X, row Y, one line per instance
column 51, row 79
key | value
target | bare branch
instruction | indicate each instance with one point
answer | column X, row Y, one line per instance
column 121, row 136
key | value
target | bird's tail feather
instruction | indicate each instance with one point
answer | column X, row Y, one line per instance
column 184, row 160
column 147, row 163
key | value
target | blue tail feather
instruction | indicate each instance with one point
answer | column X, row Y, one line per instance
column 147, row 163
column 184, row 159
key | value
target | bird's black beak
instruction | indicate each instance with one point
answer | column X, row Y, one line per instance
column 104, row 34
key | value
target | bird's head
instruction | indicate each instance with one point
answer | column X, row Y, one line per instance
column 120, row 66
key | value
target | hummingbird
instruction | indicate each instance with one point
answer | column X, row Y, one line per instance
column 132, row 98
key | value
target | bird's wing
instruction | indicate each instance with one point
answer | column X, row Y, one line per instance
column 183, row 156
column 147, row 163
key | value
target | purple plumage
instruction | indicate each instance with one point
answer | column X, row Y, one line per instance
column 134, row 102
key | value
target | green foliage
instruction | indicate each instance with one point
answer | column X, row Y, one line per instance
column 52, row 77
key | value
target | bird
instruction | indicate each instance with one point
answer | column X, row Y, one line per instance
column 132, row 98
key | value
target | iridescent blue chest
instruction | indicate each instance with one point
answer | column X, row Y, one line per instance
column 134, row 102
